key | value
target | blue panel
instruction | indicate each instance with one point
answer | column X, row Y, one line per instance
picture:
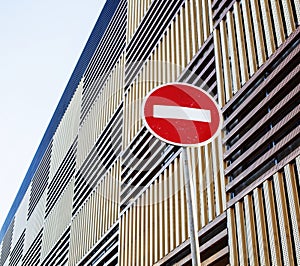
column 88, row 51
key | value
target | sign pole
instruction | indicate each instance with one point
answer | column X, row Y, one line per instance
column 195, row 251
column 184, row 115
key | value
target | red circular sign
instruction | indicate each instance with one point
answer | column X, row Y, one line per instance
column 182, row 114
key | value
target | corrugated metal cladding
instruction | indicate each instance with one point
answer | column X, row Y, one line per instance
column 103, row 191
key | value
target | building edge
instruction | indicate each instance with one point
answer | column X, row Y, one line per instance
column 96, row 35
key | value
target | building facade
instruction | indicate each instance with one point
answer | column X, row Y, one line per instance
column 101, row 190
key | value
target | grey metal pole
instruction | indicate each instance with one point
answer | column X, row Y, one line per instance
column 191, row 207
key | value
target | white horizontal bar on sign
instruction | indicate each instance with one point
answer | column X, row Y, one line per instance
column 178, row 112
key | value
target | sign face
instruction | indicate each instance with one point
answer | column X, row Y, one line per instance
column 182, row 114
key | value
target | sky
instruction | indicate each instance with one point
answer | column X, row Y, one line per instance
column 40, row 44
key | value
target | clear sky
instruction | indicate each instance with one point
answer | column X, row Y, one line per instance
column 40, row 44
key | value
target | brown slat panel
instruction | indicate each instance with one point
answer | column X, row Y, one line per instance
column 272, row 152
column 276, row 14
column 258, row 32
column 151, row 225
column 161, row 197
column 274, row 240
column 213, row 240
column 209, row 183
column 249, row 35
column 267, row 138
column 183, row 205
column 251, row 231
column 241, row 45
column 294, row 207
column 143, row 231
column 171, row 208
column 147, row 227
column 288, row 16
column 134, row 235
column 261, row 227
column 220, row 254
column 200, row 32
column 126, row 247
column 202, row 188
column 121, row 241
column 297, row 170
column 267, row 117
column 205, row 230
column 215, row 2
column 265, row 84
column 205, row 18
column 267, row 25
column 265, row 176
column 279, row 52
column 232, row 237
column 241, row 237
column 218, row 189
column 223, row 178
column 219, row 70
column 219, row 12
column 236, row 83
column 226, row 61
column 283, row 219
column 156, row 220
column 217, row 9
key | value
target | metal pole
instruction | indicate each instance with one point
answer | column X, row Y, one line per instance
column 191, row 211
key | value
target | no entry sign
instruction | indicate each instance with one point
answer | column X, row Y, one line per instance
column 182, row 114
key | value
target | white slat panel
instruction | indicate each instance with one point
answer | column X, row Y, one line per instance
column 7, row 261
column 101, row 111
column 20, row 218
column 35, row 223
column 84, row 227
column 58, row 220
column 66, row 131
